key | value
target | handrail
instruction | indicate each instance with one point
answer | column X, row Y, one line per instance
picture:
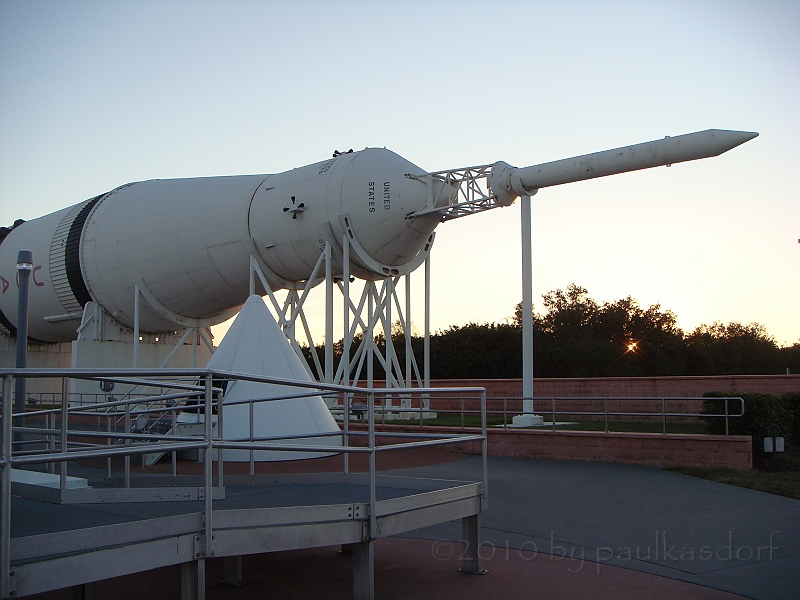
column 60, row 445
column 663, row 413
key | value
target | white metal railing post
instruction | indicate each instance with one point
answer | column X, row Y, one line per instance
column 252, row 433
column 345, row 430
column 108, row 441
column 220, row 436
column 345, row 360
column 174, row 457
column 51, row 441
column 605, row 408
column 726, row 417
column 62, row 471
column 208, row 483
column 484, row 452
column 135, row 326
column 5, row 479
column 372, row 476
column 126, row 442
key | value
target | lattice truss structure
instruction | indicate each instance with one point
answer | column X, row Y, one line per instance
column 473, row 194
column 370, row 313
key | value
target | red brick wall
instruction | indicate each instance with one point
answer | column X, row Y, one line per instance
column 632, row 386
column 650, row 449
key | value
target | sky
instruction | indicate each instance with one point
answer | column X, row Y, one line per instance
column 97, row 94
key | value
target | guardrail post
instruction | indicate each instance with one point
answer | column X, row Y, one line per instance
column 221, row 436
column 174, row 457
column 208, row 483
column 553, row 413
column 62, row 471
column 252, row 434
column 605, row 410
column 484, row 454
column 5, row 503
column 345, row 429
column 127, row 442
column 726, row 416
column 51, row 441
column 372, row 477
column 664, row 415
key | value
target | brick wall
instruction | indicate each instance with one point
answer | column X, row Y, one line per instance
column 650, row 449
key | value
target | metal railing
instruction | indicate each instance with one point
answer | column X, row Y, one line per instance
column 507, row 407
column 56, row 443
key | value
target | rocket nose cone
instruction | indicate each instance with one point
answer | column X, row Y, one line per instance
column 727, row 139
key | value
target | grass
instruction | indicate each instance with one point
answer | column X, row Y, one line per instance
column 773, row 473
column 785, row 483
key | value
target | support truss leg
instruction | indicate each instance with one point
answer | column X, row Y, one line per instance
column 364, row 571
column 233, row 571
column 471, row 538
column 193, row 580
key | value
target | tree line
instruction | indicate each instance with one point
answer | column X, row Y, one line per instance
column 578, row 336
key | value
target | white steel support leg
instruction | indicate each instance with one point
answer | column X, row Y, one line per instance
column 527, row 308
column 135, row 326
column 409, row 349
column 346, row 294
column 328, row 316
column 364, row 571
column 369, row 334
column 426, row 359
column 345, row 360
column 387, row 333
column 193, row 580
column 471, row 539
column 233, row 571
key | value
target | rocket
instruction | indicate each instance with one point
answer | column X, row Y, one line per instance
column 189, row 242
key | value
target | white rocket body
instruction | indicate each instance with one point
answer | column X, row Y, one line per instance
column 190, row 240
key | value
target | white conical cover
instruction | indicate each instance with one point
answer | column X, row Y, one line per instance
column 255, row 345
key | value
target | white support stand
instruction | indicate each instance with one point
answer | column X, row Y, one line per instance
column 379, row 305
column 527, row 418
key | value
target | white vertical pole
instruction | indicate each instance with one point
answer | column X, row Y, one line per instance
column 346, row 347
column 409, row 349
column 328, row 315
column 427, row 346
column 387, row 332
column 346, row 276
column 527, row 307
column 370, row 334
column 135, row 326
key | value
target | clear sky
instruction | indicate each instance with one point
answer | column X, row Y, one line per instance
column 96, row 94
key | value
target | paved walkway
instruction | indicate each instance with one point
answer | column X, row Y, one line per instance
column 639, row 518
column 554, row 530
